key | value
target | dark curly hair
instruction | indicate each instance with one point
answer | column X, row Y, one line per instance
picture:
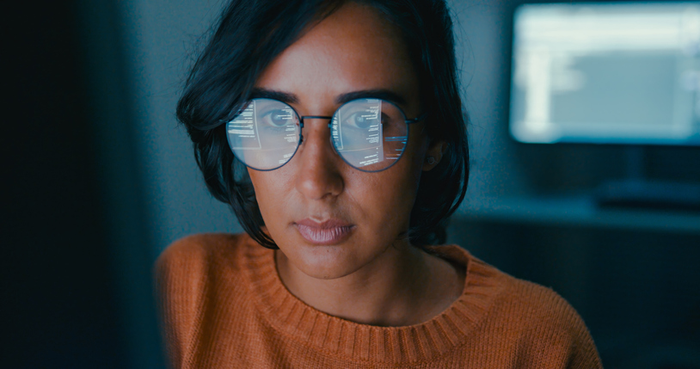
column 251, row 33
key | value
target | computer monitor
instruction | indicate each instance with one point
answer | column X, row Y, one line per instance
column 625, row 73
column 606, row 73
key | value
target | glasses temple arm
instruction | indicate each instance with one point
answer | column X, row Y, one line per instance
column 418, row 119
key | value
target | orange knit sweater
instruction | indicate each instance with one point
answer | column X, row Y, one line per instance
column 224, row 306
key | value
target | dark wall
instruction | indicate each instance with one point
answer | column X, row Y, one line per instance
column 58, row 305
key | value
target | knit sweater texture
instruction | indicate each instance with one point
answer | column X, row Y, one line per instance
column 224, row 306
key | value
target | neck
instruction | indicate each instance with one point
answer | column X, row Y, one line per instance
column 405, row 286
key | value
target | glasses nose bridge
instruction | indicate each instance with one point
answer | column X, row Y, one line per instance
column 304, row 117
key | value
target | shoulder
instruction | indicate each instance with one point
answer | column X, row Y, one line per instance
column 188, row 265
column 546, row 330
column 193, row 254
column 539, row 304
column 525, row 303
column 203, row 243
column 185, row 272
column 527, row 322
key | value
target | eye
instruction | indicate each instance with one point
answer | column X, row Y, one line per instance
column 278, row 117
column 361, row 119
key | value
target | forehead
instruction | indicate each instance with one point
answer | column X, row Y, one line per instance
column 354, row 48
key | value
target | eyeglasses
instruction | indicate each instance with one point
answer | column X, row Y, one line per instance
column 369, row 134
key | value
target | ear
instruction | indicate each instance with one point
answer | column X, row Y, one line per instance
column 434, row 154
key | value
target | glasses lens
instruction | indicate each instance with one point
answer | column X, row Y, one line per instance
column 370, row 134
column 265, row 135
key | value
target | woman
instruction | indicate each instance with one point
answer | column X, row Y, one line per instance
column 345, row 121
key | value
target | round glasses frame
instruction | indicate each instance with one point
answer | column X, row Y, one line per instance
column 301, row 118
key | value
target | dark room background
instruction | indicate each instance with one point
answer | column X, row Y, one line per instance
column 99, row 179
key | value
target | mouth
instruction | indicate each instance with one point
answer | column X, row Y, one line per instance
column 329, row 232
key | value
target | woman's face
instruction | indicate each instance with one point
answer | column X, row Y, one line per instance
column 329, row 219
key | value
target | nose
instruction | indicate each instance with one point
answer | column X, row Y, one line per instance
column 319, row 174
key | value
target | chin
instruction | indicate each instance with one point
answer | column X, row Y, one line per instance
column 324, row 262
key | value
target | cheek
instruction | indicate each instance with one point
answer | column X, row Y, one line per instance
column 387, row 197
column 271, row 196
column 389, row 206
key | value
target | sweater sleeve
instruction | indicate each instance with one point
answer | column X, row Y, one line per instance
column 180, row 282
column 557, row 337
column 582, row 352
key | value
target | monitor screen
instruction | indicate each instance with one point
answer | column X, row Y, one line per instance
column 619, row 73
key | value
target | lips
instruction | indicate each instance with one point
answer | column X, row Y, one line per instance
column 329, row 232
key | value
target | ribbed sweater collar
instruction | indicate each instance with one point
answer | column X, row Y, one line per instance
column 365, row 343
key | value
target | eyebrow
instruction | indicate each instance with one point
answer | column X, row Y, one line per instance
column 289, row 98
column 263, row 93
column 383, row 94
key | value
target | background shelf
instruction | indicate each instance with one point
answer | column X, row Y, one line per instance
column 577, row 211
